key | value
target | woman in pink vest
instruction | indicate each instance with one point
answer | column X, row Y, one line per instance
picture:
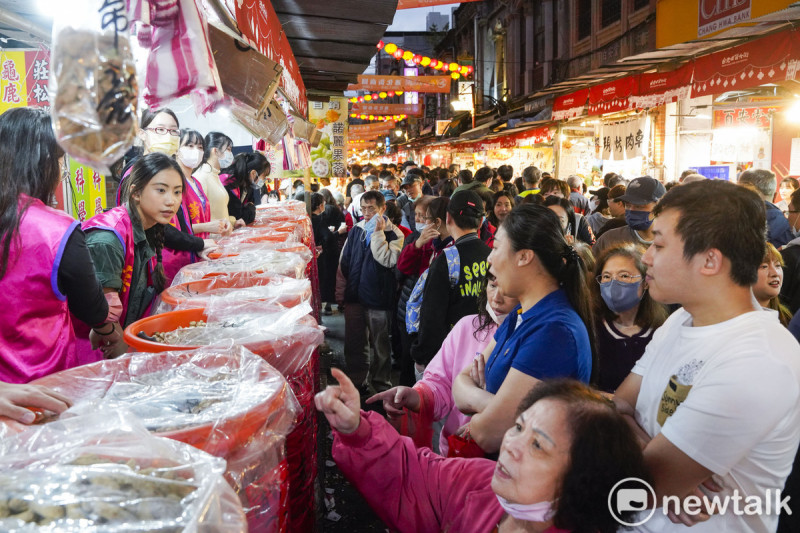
column 46, row 273
column 126, row 242
column 195, row 201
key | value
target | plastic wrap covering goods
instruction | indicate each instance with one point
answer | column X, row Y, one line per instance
column 234, row 248
column 280, row 290
column 285, row 208
column 223, row 400
column 284, row 337
column 272, row 233
column 93, row 86
column 245, row 265
column 106, row 472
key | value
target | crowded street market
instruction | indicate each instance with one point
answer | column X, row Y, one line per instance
column 400, row 265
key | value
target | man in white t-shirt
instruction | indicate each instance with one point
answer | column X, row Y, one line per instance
column 717, row 389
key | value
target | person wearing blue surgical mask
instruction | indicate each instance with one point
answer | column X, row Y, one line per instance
column 640, row 199
column 625, row 315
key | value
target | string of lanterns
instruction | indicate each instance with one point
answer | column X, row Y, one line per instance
column 384, row 118
column 456, row 70
column 375, row 96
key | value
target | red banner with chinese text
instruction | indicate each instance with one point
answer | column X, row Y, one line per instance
column 419, row 84
column 660, row 88
column 376, row 128
column 612, row 96
column 258, row 22
column 767, row 60
column 570, row 105
column 387, row 109
column 744, row 116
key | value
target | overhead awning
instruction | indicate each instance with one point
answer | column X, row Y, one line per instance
column 570, row 105
column 659, row 88
column 612, row 96
column 766, row 60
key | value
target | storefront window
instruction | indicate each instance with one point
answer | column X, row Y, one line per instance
column 640, row 4
column 584, row 15
column 611, row 12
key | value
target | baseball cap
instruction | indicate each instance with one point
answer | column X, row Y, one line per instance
column 410, row 179
column 466, row 202
column 642, row 191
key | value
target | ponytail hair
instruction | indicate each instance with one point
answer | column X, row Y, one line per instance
column 241, row 167
column 142, row 172
column 537, row 228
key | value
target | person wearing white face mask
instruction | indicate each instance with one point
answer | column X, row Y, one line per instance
column 159, row 133
column 195, row 201
column 557, row 466
column 432, row 397
column 216, row 155
column 247, row 169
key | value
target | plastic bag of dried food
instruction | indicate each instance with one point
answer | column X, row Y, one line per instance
column 106, row 472
column 93, row 82
column 279, row 290
column 280, row 209
column 244, row 266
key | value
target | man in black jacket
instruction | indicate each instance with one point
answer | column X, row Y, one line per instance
column 444, row 304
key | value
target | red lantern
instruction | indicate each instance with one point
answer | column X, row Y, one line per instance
column 398, row 54
column 379, row 45
column 361, row 99
column 470, row 69
column 417, row 59
column 374, row 96
column 390, row 93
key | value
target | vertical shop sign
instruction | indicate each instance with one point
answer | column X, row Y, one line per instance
column 12, row 80
column 329, row 159
column 624, row 140
column 88, row 191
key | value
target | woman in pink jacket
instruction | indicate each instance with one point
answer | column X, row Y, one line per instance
column 557, row 470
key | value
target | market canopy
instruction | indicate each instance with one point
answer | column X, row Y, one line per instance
column 333, row 41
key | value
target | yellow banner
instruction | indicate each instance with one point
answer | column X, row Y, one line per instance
column 88, row 191
column 13, row 87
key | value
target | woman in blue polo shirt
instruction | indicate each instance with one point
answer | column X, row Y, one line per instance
column 547, row 336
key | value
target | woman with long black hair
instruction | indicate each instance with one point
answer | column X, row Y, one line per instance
column 47, row 279
column 549, row 335
column 126, row 242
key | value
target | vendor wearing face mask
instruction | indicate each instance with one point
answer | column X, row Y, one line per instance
column 159, row 133
column 625, row 315
column 195, row 201
column 247, row 170
column 216, row 156
column 640, row 198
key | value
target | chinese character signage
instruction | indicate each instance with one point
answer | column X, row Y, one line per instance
column 24, row 78
column 715, row 15
column 408, row 83
column 624, row 140
column 329, row 159
column 88, row 191
column 744, row 116
column 413, row 110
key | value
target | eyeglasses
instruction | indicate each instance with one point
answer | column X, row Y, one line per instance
column 160, row 130
column 622, row 277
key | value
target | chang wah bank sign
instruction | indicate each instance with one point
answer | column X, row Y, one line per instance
column 716, row 15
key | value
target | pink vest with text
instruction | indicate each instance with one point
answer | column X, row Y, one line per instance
column 37, row 337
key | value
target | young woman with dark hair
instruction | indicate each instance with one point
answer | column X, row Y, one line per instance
column 574, row 224
column 126, row 242
column 564, row 453
column 47, row 279
column 217, row 154
column 549, row 335
column 195, row 201
column 248, row 169
column 625, row 315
